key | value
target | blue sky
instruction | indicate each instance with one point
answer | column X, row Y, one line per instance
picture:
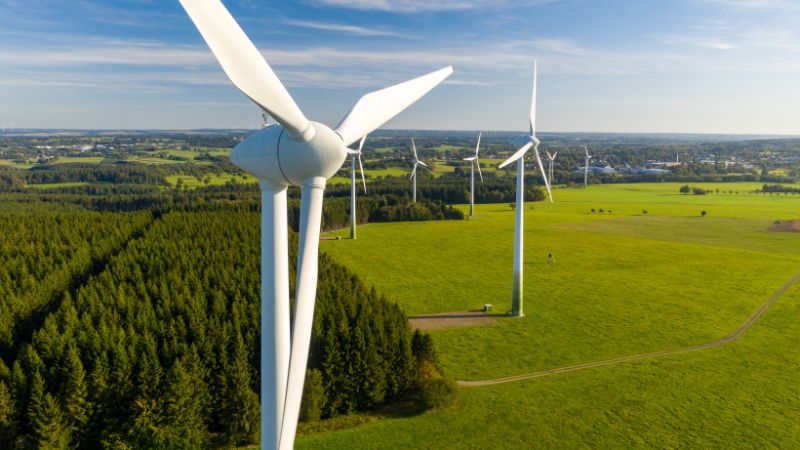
column 706, row 66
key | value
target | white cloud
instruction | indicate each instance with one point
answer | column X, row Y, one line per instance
column 348, row 29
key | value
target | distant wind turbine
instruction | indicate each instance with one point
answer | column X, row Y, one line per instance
column 519, row 157
column 473, row 161
column 586, row 168
column 355, row 154
column 296, row 152
column 552, row 159
column 413, row 177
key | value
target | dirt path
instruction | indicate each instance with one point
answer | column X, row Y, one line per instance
column 607, row 362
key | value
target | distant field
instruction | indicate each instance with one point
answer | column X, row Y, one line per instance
column 77, row 160
column 192, row 182
column 56, row 185
column 10, row 163
column 622, row 283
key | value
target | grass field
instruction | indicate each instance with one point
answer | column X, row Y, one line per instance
column 57, row 185
column 623, row 283
column 77, row 160
column 192, row 182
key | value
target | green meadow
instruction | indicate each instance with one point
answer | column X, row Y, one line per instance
column 623, row 282
column 192, row 182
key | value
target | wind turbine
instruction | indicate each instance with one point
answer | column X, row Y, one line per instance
column 519, row 157
column 353, row 155
column 296, row 152
column 552, row 159
column 473, row 161
column 586, row 168
column 414, row 171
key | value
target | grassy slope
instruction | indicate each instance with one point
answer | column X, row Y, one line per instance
column 623, row 283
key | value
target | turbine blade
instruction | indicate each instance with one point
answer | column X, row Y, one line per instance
column 477, row 147
column 243, row 63
column 477, row 163
column 361, row 168
column 471, row 158
column 544, row 176
column 517, row 155
column 377, row 108
column 554, row 155
column 361, row 144
column 305, row 294
column 420, row 162
column 533, row 99
column 414, row 147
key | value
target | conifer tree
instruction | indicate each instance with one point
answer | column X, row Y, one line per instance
column 8, row 424
column 77, row 406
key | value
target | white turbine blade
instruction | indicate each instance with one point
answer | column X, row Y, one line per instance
column 544, row 176
column 377, row 108
column 420, row 162
column 478, row 164
column 305, row 294
column 550, row 157
column 361, row 144
column 533, row 100
column 586, row 150
column 554, row 155
column 478, row 147
column 517, row 155
column 413, row 172
column 361, row 168
column 414, row 148
column 243, row 63
column 471, row 158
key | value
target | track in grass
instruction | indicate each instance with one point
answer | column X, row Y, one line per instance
column 752, row 320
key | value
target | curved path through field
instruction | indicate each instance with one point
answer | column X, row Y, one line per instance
column 607, row 362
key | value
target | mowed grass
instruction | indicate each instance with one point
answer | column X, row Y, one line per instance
column 622, row 283
column 742, row 395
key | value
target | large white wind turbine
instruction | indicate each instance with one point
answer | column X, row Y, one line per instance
column 519, row 157
column 473, row 161
column 297, row 152
column 552, row 159
column 413, row 176
column 586, row 168
column 355, row 154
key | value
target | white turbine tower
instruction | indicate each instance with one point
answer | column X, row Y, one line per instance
column 297, row 152
column 413, row 177
column 552, row 159
column 519, row 157
column 586, row 168
column 473, row 162
column 355, row 154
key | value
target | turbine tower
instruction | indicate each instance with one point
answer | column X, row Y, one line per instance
column 552, row 159
column 353, row 155
column 413, row 177
column 473, row 162
column 519, row 157
column 296, row 152
column 586, row 168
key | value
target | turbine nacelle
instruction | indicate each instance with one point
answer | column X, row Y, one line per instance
column 272, row 155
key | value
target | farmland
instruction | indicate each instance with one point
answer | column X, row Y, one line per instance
column 623, row 282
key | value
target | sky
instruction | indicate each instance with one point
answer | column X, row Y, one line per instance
column 684, row 66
